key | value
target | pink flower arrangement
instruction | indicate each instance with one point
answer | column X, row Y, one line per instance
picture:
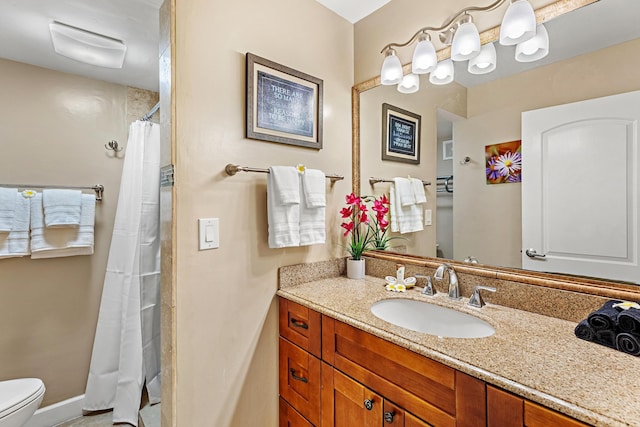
column 366, row 232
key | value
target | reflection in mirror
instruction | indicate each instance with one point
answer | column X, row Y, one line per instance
column 486, row 219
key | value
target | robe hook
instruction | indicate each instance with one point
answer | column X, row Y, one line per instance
column 113, row 145
column 465, row 161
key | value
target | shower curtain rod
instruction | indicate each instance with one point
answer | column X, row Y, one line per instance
column 151, row 112
column 98, row 188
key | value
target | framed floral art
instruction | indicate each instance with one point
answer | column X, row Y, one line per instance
column 504, row 162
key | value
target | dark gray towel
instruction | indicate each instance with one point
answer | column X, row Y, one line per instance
column 584, row 331
column 628, row 343
column 629, row 320
column 605, row 318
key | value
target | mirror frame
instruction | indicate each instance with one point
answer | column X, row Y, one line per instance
column 589, row 286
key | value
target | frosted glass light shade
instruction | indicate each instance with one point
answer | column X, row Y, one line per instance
column 424, row 57
column 409, row 84
column 391, row 73
column 485, row 62
column 518, row 23
column 443, row 73
column 466, row 42
column 87, row 47
column 535, row 48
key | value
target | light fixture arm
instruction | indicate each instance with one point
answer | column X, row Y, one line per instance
column 447, row 23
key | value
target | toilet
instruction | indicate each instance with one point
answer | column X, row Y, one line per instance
column 19, row 399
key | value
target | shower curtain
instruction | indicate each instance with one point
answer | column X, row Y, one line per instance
column 126, row 348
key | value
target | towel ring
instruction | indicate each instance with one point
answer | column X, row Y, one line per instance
column 113, row 146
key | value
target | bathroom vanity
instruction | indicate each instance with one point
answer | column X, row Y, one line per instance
column 341, row 365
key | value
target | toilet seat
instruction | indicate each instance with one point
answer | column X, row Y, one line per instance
column 16, row 394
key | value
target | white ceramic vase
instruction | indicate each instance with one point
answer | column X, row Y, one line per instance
column 355, row 268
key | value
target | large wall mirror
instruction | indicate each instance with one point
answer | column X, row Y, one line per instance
column 594, row 53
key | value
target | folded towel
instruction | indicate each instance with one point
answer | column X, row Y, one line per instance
column 605, row 317
column 60, row 242
column 16, row 242
column 314, row 188
column 584, row 331
column 404, row 191
column 629, row 320
column 312, row 209
column 418, row 191
column 407, row 218
column 628, row 343
column 606, row 337
column 283, row 206
column 62, row 207
column 8, row 200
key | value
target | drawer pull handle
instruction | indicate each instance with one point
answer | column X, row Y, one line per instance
column 368, row 403
column 299, row 324
column 388, row 416
column 295, row 377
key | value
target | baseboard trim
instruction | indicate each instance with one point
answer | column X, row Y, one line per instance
column 57, row 413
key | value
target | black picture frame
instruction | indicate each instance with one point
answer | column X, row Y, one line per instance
column 282, row 104
column 400, row 135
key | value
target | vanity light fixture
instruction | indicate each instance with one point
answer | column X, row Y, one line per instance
column 518, row 28
column 86, row 46
column 410, row 84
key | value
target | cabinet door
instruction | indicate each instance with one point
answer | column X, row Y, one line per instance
column 539, row 416
column 413, row 421
column 347, row 403
column 299, row 379
column 503, row 409
column 289, row 417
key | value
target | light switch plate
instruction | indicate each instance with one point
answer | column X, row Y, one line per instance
column 427, row 217
column 209, row 233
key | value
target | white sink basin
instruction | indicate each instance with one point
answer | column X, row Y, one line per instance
column 431, row 319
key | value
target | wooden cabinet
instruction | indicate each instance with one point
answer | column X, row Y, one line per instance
column 334, row 375
column 507, row 410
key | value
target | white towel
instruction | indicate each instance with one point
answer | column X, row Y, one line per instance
column 418, row 191
column 16, row 242
column 62, row 208
column 312, row 208
column 404, row 191
column 60, row 242
column 408, row 218
column 283, row 206
column 8, row 197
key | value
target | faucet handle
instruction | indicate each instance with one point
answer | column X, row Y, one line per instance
column 476, row 299
column 428, row 287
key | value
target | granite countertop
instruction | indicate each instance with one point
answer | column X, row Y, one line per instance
column 533, row 356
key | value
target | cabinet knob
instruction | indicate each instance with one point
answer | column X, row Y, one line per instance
column 388, row 416
column 368, row 403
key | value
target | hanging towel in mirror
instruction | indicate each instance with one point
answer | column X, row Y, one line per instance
column 8, row 200
column 417, row 187
column 408, row 218
column 62, row 208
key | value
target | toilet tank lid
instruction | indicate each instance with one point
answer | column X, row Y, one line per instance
column 14, row 392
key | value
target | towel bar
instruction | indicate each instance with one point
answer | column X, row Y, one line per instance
column 232, row 169
column 98, row 188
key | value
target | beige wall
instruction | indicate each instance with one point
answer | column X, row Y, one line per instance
column 53, row 131
column 425, row 103
column 226, row 317
column 491, row 213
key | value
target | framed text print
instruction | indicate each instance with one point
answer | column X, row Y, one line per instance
column 400, row 135
column 283, row 105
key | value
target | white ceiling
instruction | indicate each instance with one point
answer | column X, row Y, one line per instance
column 24, row 31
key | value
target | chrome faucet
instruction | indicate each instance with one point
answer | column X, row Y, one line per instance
column 454, row 290
column 476, row 299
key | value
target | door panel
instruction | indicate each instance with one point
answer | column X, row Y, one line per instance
column 580, row 187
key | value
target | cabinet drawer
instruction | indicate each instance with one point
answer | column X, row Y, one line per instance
column 289, row 417
column 299, row 380
column 300, row 325
column 539, row 416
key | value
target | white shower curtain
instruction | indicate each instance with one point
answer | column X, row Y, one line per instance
column 126, row 348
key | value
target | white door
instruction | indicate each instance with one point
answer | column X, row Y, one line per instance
column 580, row 188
